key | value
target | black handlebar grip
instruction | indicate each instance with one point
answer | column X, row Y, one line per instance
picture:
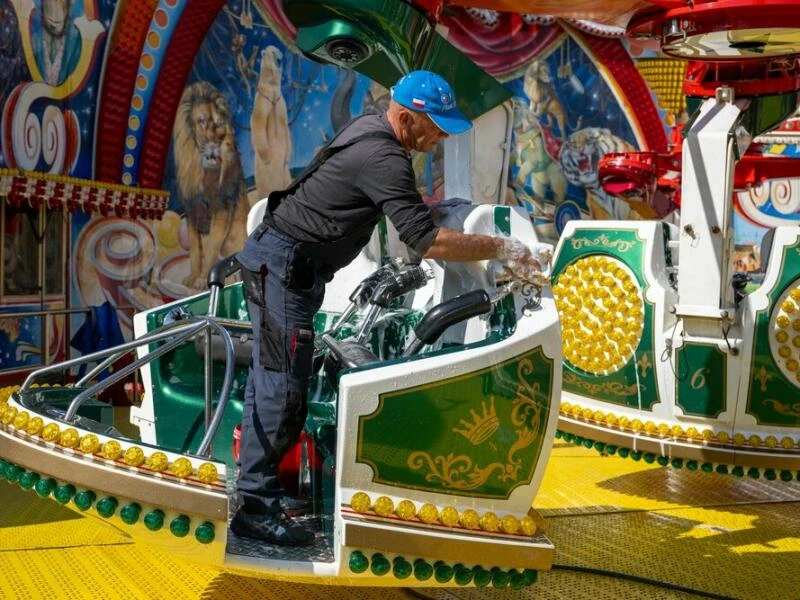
column 222, row 270
column 460, row 308
column 398, row 284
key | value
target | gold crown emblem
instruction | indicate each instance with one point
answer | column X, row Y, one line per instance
column 482, row 426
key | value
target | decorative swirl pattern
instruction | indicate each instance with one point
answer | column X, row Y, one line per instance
column 53, row 138
column 459, row 472
column 114, row 261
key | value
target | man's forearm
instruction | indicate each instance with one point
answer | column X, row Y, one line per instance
column 454, row 245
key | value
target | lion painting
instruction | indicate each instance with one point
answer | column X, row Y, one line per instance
column 211, row 185
column 269, row 127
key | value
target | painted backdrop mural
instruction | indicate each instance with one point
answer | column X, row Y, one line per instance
column 251, row 112
column 49, row 53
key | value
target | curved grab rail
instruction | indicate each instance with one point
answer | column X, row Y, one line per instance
column 225, row 393
column 177, row 333
column 128, row 369
column 117, row 350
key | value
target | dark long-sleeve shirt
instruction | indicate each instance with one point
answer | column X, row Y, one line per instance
column 346, row 196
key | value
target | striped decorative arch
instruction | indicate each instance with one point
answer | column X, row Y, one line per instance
column 151, row 50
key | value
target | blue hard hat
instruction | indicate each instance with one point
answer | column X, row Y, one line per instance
column 425, row 91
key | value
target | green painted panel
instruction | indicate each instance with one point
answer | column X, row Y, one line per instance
column 478, row 434
column 771, row 396
column 701, row 388
column 502, row 220
column 635, row 384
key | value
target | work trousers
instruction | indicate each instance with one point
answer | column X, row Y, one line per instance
column 284, row 291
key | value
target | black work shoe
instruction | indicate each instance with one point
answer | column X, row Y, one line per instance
column 295, row 507
column 274, row 528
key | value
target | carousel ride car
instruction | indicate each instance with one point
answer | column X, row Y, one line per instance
column 665, row 356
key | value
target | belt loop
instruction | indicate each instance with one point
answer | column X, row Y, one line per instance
column 259, row 231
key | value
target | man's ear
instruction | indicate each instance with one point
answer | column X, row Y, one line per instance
column 404, row 116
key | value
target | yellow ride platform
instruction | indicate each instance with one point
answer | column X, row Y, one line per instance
column 622, row 529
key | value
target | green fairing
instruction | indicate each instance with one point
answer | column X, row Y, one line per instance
column 399, row 39
column 478, row 434
column 620, row 387
column 701, row 384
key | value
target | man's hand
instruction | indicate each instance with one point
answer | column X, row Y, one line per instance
column 522, row 264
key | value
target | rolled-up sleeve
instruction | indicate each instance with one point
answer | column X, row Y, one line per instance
column 388, row 180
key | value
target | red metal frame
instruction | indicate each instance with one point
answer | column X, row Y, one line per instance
column 709, row 16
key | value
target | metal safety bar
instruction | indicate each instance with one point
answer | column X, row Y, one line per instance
column 180, row 332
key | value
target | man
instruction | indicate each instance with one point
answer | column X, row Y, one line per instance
column 311, row 230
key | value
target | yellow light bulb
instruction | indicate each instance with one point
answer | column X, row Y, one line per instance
column 207, row 473
column 182, row 467
column 739, row 439
column 785, row 351
column 384, row 506
column 788, row 306
column 89, row 444
column 781, row 337
column 754, row 440
column 527, row 526
column 406, row 510
column 676, row 430
column 50, row 432
column 157, row 461
column 9, row 414
column 133, row 457
column 489, row 522
column 707, row 435
column 69, row 438
column 428, row 513
column 449, row 516
column 360, row 502
column 782, row 321
column 111, row 450
column 509, row 524
column 21, row 420
column 792, row 365
column 34, row 426
column 771, row 441
column 469, row 519
column 722, row 437
column 787, row 443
